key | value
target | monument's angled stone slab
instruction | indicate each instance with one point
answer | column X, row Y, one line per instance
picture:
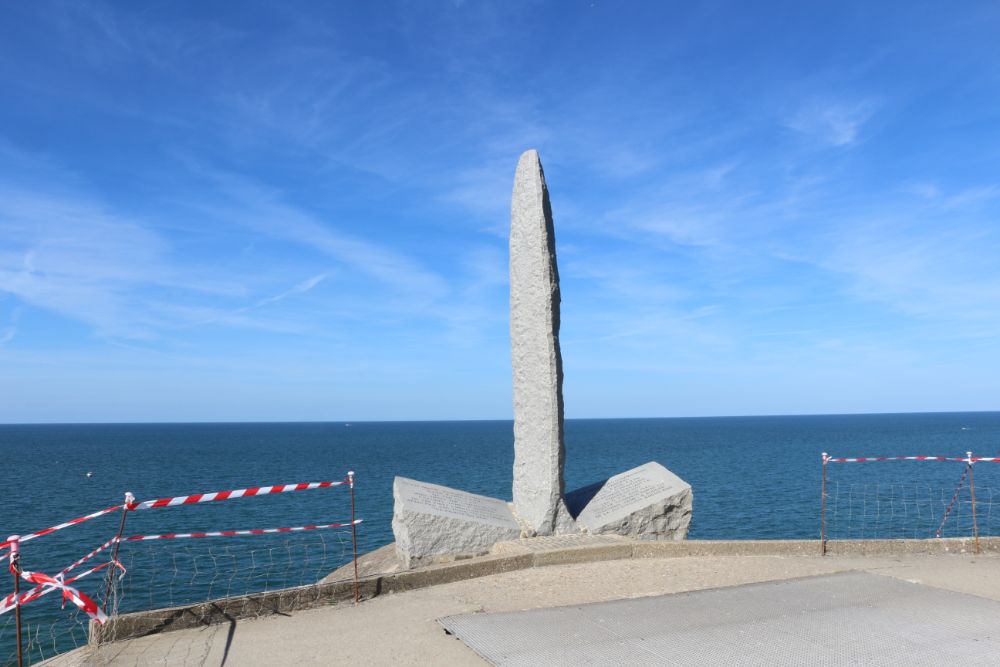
column 430, row 521
column 535, row 356
column 646, row 502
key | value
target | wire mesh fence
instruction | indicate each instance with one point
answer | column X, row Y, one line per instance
column 907, row 499
column 941, row 498
column 884, row 510
column 41, row 638
column 175, row 573
column 46, row 630
column 178, row 569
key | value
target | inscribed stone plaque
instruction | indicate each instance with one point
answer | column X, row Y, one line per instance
column 647, row 501
column 443, row 501
column 431, row 522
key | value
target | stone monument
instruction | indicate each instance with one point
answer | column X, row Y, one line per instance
column 432, row 522
column 535, row 356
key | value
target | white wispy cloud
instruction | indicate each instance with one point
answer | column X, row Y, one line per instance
column 69, row 254
column 199, row 315
column 73, row 257
column 262, row 210
column 300, row 288
column 8, row 332
column 832, row 122
column 972, row 197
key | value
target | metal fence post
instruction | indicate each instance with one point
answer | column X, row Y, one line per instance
column 822, row 512
column 972, row 493
column 126, row 508
column 15, row 569
column 354, row 536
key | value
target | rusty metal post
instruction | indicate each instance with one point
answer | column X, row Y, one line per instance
column 15, row 569
column 822, row 512
column 126, row 508
column 972, row 493
column 354, row 536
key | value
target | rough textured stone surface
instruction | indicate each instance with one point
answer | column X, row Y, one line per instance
column 646, row 502
column 537, row 362
column 431, row 521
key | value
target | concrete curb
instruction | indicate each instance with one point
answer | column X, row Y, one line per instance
column 519, row 557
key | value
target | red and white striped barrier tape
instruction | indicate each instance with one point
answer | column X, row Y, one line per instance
column 89, row 556
column 189, row 500
column 865, row 459
column 69, row 593
column 237, row 533
column 31, row 536
column 954, row 499
column 7, row 603
column 228, row 495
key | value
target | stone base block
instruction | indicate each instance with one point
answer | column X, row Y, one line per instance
column 432, row 522
column 648, row 502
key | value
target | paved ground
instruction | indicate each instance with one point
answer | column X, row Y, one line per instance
column 847, row 618
column 402, row 629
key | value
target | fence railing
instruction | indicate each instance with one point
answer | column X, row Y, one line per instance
column 897, row 510
column 242, row 571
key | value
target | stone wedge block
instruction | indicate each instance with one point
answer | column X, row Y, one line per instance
column 648, row 502
column 431, row 522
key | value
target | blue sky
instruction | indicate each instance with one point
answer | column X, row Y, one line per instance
column 298, row 211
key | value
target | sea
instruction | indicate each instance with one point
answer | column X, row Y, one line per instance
column 752, row 477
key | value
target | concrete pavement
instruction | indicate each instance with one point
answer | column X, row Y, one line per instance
column 402, row 629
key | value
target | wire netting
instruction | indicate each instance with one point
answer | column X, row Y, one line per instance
column 869, row 501
column 170, row 573
column 881, row 510
column 45, row 631
column 165, row 573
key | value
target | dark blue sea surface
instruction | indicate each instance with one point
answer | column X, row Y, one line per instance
column 753, row 478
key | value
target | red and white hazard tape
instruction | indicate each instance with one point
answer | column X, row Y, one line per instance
column 865, row 459
column 89, row 556
column 954, row 499
column 31, row 536
column 237, row 533
column 69, row 593
column 7, row 603
column 189, row 500
column 228, row 495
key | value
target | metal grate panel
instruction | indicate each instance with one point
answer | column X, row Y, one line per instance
column 842, row 619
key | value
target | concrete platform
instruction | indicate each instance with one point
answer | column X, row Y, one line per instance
column 399, row 626
column 851, row 618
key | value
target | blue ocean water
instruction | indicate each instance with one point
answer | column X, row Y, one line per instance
column 753, row 477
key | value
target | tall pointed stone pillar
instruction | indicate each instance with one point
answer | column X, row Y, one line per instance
column 537, row 362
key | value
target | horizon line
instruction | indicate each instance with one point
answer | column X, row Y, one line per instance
column 506, row 419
